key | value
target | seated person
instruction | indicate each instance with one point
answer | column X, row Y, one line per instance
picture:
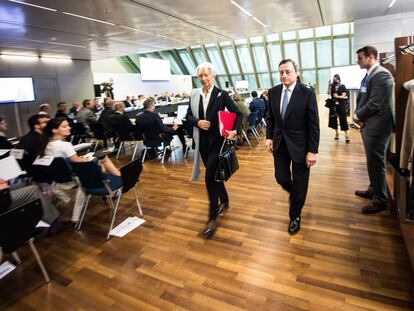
column 128, row 102
column 106, row 113
column 256, row 104
column 4, row 142
column 86, row 115
column 32, row 141
column 61, row 112
column 54, row 144
column 120, row 120
column 14, row 196
column 73, row 111
column 44, row 109
column 150, row 124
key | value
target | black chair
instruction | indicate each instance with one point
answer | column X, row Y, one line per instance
column 78, row 132
column 251, row 125
column 130, row 176
column 61, row 171
column 124, row 135
column 259, row 121
column 17, row 227
column 100, row 134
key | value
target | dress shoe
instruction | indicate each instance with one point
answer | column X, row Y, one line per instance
column 209, row 229
column 222, row 207
column 374, row 208
column 364, row 194
column 294, row 226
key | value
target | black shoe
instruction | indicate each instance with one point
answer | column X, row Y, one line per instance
column 210, row 229
column 374, row 208
column 222, row 207
column 294, row 226
column 364, row 194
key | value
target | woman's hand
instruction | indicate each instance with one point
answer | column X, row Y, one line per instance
column 204, row 124
column 231, row 134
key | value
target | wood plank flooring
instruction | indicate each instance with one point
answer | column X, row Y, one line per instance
column 340, row 260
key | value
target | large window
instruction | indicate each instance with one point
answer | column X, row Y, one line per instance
column 324, row 53
column 291, row 51
column 230, row 60
column 188, row 63
column 275, row 56
column 341, row 52
column 259, row 57
column 245, row 60
column 307, row 54
column 214, row 55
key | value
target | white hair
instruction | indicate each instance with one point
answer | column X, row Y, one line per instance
column 207, row 66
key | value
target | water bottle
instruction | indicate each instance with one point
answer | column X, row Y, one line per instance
column 110, row 144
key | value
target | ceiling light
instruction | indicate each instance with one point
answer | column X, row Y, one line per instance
column 391, row 4
column 244, row 10
column 261, row 23
column 25, row 58
column 135, row 29
column 56, row 60
column 89, row 18
column 34, row 5
column 67, row 44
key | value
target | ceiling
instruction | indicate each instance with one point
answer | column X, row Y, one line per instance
column 124, row 27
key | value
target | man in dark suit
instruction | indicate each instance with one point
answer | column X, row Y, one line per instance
column 375, row 117
column 32, row 141
column 128, row 102
column 292, row 135
column 106, row 113
column 61, row 112
column 257, row 103
column 119, row 119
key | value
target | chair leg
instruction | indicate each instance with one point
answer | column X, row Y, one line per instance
column 145, row 153
column 247, row 139
column 138, row 204
column 96, row 146
column 114, row 213
column 256, row 134
column 39, row 260
column 16, row 257
column 85, row 207
column 186, row 151
column 119, row 149
column 135, row 151
column 163, row 154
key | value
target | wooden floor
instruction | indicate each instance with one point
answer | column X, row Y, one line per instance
column 340, row 260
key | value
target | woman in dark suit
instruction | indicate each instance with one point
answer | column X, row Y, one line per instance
column 203, row 115
column 339, row 96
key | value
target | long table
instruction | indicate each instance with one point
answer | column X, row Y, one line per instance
column 164, row 109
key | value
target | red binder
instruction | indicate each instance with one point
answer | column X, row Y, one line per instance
column 226, row 121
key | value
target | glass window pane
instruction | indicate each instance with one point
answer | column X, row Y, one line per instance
column 341, row 52
column 252, row 82
column 230, row 60
column 240, row 41
column 223, row 80
column 340, row 29
column 258, row 39
column 199, row 56
column 175, row 69
column 275, row 56
column 276, row 78
column 308, row 76
column 352, row 28
column 264, row 80
column 272, row 37
column 306, row 33
column 188, row 62
column 307, row 53
column 196, row 82
column 323, row 31
column 289, row 35
column 324, row 53
column 245, row 60
column 234, row 79
column 210, row 45
column 353, row 54
column 291, row 51
column 225, row 43
column 259, row 57
column 214, row 55
column 323, row 80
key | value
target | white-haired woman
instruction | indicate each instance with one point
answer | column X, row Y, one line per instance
column 203, row 115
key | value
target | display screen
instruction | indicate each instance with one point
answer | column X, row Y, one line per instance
column 153, row 69
column 16, row 90
column 351, row 76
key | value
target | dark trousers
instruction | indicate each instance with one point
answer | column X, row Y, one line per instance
column 293, row 177
column 338, row 111
column 215, row 190
column 375, row 151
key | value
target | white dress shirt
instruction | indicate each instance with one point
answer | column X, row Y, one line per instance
column 290, row 88
column 206, row 99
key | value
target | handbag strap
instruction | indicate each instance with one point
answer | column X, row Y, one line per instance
column 226, row 140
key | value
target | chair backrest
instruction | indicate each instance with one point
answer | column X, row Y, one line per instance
column 78, row 129
column 98, row 131
column 17, row 225
column 130, row 174
column 61, row 171
column 122, row 131
column 260, row 114
column 89, row 173
column 252, row 118
column 150, row 131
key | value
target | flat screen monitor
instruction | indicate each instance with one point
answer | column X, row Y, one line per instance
column 153, row 69
column 16, row 90
column 351, row 76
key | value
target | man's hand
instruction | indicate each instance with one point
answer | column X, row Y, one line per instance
column 3, row 184
column 310, row 159
column 231, row 134
column 269, row 145
column 175, row 127
column 358, row 121
column 204, row 124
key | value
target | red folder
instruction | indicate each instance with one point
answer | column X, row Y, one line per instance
column 226, row 121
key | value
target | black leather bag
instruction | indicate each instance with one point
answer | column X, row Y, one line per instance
column 227, row 163
column 330, row 103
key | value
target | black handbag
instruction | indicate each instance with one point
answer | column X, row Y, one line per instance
column 329, row 103
column 227, row 163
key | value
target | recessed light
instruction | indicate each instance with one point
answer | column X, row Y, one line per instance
column 391, row 4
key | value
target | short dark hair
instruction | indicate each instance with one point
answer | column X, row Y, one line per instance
column 34, row 119
column 2, row 118
column 337, row 76
column 85, row 102
column 61, row 103
column 288, row 60
column 254, row 94
column 368, row 51
column 148, row 102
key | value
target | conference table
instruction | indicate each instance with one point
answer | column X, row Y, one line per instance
column 168, row 108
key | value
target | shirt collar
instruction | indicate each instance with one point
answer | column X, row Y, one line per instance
column 209, row 90
column 372, row 68
column 290, row 88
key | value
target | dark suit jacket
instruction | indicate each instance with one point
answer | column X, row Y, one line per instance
column 5, row 200
column 150, row 124
column 300, row 128
column 216, row 104
column 127, row 103
column 104, row 117
column 374, row 106
column 4, row 143
column 117, row 119
column 31, row 142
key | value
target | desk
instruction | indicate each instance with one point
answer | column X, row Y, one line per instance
column 169, row 108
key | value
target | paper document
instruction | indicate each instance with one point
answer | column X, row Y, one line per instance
column 182, row 111
column 127, row 226
column 82, row 146
column 3, row 151
column 5, row 268
column 17, row 153
column 168, row 120
column 43, row 161
column 9, row 168
column 42, row 224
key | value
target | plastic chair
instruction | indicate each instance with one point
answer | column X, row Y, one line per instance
column 99, row 133
column 130, row 176
column 124, row 135
column 78, row 132
column 251, row 124
column 16, row 229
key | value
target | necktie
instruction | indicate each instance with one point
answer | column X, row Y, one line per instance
column 285, row 102
column 363, row 80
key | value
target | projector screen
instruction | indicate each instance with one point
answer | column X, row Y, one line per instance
column 351, row 76
column 242, row 84
column 153, row 69
column 16, row 90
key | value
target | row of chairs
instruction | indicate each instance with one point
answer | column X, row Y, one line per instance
column 254, row 122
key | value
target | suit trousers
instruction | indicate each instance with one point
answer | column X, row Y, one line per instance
column 215, row 190
column 375, row 151
column 293, row 177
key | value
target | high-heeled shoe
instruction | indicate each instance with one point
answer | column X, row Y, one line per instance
column 336, row 137
column 222, row 207
column 347, row 140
